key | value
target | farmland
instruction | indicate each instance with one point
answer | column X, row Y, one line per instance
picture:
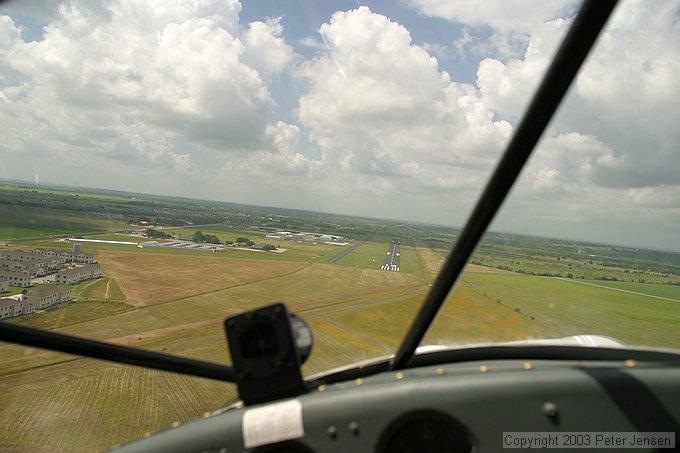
column 42, row 222
column 175, row 301
column 184, row 317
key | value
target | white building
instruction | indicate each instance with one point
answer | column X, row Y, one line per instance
column 16, row 255
column 4, row 286
column 69, row 276
column 67, row 256
column 10, row 308
column 16, row 278
column 47, row 296
column 10, row 265
column 7, row 308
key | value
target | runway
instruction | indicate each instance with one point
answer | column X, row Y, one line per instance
column 392, row 257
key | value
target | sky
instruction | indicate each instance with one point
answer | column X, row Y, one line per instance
column 391, row 109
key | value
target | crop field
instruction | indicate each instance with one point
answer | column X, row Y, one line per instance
column 87, row 405
column 176, row 301
column 52, row 191
column 24, row 221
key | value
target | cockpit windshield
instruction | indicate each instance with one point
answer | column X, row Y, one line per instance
column 167, row 165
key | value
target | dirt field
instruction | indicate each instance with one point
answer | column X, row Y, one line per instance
column 149, row 279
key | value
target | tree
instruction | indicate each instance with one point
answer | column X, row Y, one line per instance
column 151, row 233
column 211, row 239
column 198, row 236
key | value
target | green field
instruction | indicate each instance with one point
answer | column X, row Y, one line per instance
column 668, row 291
column 175, row 301
column 368, row 256
column 12, row 189
column 566, row 307
column 101, row 289
column 24, row 221
column 118, row 237
column 371, row 255
column 72, row 313
column 566, row 261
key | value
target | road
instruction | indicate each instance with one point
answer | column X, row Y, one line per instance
column 392, row 257
column 616, row 289
column 348, row 251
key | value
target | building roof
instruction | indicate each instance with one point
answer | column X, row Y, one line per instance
column 5, row 302
column 90, row 255
column 45, row 259
column 19, row 253
column 7, row 273
column 68, row 252
column 14, row 263
column 47, row 291
column 76, row 270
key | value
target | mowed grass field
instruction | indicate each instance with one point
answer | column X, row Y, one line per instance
column 371, row 255
column 667, row 291
column 176, row 303
column 565, row 307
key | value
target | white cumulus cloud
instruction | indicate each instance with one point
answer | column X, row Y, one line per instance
column 380, row 107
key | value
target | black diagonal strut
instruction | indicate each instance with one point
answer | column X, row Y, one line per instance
column 571, row 54
column 112, row 352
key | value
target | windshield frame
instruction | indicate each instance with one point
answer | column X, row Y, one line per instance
column 573, row 51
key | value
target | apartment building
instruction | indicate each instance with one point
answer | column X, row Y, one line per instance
column 47, row 296
column 76, row 274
